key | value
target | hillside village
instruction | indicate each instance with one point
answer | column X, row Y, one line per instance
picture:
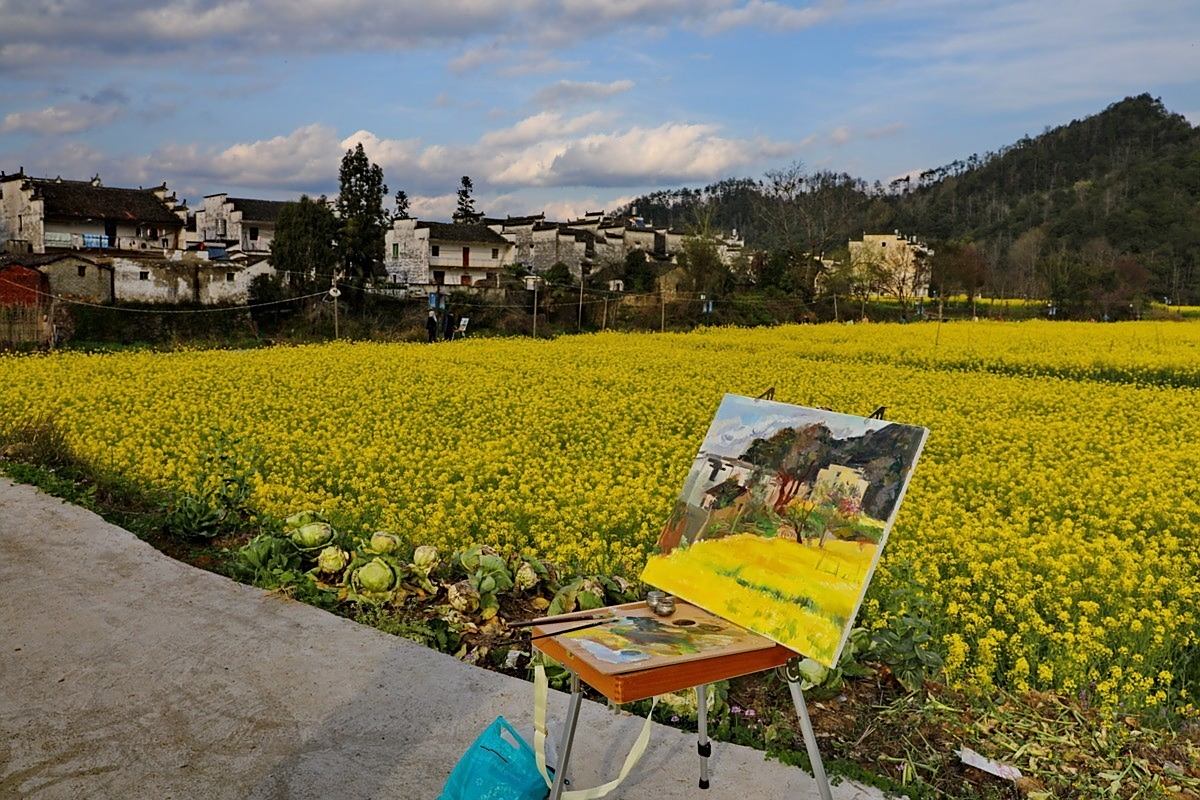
column 103, row 243
column 82, row 241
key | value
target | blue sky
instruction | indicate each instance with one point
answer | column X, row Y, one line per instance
column 559, row 104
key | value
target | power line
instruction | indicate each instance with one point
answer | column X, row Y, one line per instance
column 72, row 301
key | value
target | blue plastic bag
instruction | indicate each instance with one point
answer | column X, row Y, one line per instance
column 498, row 766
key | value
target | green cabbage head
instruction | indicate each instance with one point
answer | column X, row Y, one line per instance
column 332, row 560
column 384, row 542
column 302, row 518
column 425, row 558
column 312, row 535
column 374, row 581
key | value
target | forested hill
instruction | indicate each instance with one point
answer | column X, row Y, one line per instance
column 1124, row 183
column 1130, row 174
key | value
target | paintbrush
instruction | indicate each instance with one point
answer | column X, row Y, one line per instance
column 572, row 630
column 515, row 639
column 573, row 617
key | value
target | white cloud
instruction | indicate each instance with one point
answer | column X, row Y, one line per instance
column 669, row 153
column 567, row 92
column 145, row 30
column 540, row 127
column 544, row 150
column 59, row 119
column 772, row 16
column 843, row 133
column 577, row 207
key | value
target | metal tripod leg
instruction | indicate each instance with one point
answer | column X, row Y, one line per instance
column 703, row 747
column 568, row 739
column 810, row 739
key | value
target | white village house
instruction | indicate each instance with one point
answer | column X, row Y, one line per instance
column 429, row 255
column 235, row 225
column 45, row 214
column 127, row 245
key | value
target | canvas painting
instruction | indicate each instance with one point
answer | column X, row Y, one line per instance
column 783, row 517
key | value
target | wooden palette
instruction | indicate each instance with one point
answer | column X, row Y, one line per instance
column 637, row 639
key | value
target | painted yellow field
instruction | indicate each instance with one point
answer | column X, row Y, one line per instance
column 800, row 595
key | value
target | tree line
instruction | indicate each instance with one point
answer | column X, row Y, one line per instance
column 1096, row 217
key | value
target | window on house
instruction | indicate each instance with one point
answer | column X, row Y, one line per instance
column 229, row 277
column 166, row 243
column 254, row 234
column 434, row 250
column 143, row 275
column 883, row 244
column 82, row 270
column 495, row 253
column 395, row 250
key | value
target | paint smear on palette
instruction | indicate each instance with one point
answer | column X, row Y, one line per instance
column 630, row 640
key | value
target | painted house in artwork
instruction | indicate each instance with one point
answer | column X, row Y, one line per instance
column 839, row 480
column 39, row 215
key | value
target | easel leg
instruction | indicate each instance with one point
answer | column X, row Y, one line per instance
column 810, row 740
column 568, row 739
column 703, row 747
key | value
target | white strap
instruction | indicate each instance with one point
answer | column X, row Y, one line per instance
column 540, row 690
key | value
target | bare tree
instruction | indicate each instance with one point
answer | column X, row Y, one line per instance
column 1023, row 256
column 805, row 215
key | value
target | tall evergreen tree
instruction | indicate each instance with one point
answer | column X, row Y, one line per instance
column 465, row 212
column 361, row 216
column 401, row 204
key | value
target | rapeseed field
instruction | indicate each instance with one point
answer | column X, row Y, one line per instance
column 1049, row 533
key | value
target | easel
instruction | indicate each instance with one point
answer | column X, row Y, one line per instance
column 699, row 674
column 643, row 684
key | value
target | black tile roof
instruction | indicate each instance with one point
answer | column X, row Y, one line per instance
column 462, row 232
column 528, row 219
column 42, row 259
column 81, row 200
column 258, row 210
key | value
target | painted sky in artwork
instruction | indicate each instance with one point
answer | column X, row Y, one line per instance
column 741, row 420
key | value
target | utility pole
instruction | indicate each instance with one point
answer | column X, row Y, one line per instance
column 662, row 303
column 335, row 293
column 604, row 319
column 582, row 272
column 531, row 283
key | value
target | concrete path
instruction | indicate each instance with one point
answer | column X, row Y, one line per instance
column 126, row 674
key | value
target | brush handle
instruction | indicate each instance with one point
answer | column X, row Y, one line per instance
column 595, row 624
column 572, row 617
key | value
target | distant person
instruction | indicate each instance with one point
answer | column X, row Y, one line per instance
column 431, row 326
column 449, row 323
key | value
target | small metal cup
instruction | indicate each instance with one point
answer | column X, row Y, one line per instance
column 653, row 598
column 665, row 607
